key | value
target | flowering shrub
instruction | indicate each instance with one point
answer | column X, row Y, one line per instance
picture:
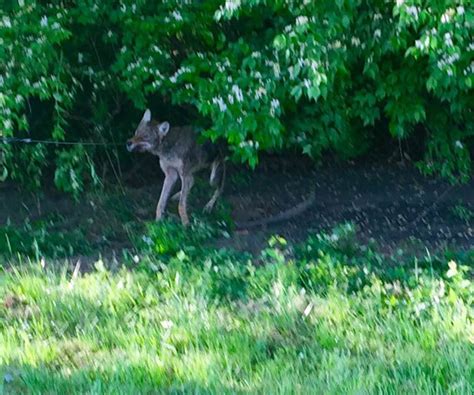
column 325, row 75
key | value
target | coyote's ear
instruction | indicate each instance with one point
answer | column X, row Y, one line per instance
column 147, row 116
column 163, row 128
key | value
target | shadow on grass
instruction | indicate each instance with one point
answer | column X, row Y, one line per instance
column 119, row 378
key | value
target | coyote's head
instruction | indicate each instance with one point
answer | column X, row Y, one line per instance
column 148, row 134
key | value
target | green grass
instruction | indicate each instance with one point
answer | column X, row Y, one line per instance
column 462, row 212
column 328, row 316
column 42, row 238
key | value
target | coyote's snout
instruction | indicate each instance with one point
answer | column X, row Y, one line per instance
column 180, row 155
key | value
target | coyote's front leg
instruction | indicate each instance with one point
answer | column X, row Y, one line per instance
column 171, row 175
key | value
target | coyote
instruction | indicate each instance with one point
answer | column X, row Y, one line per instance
column 180, row 155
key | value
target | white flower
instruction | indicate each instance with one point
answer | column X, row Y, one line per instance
column 355, row 41
column 413, row 11
column 274, row 104
column 232, row 5
column 248, row 143
column 446, row 17
column 377, row 33
column 459, row 145
column 167, row 324
column 302, row 20
column 261, row 91
column 238, row 93
column 400, row 3
column 427, row 41
column 230, row 98
column 6, row 21
column 177, row 15
column 452, row 58
column 460, row 10
column 448, row 40
column 44, row 21
column 218, row 100
column 453, row 270
column 276, row 70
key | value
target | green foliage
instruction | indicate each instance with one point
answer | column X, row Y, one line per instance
column 169, row 237
column 72, row 168
column 462, row 212
column 320, row 75
column 41, row 239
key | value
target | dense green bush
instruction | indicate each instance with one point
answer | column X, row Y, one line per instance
column 315, row 75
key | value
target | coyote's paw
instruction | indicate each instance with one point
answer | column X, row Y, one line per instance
column 208, row 207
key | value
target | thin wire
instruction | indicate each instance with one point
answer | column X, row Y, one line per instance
column 10, row 140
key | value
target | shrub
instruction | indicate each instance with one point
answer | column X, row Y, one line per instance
column 318, row 76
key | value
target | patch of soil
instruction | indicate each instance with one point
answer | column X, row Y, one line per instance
column 391, row 203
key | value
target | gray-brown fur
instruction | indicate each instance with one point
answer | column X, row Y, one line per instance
column 180, row 157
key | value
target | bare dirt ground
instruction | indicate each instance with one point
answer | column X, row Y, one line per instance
column 390, row 203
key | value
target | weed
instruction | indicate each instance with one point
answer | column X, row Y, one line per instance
column 41, row 238
column 462, row 212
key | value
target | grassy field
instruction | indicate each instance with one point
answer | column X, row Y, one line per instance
column 326, row 316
